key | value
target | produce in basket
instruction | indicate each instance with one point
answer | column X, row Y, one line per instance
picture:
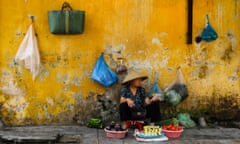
column 172, row 127
column 118, row 127
column 173, row 121
column 172, row 131
column 115, row 130
column 114, row 127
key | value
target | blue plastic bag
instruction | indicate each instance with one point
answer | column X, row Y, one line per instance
column 209, row 33
column 102, row 74
column 156, row 91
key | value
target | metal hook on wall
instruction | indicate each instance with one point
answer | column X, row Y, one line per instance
column 33, row 18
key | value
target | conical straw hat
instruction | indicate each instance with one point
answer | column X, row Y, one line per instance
column 132, row 75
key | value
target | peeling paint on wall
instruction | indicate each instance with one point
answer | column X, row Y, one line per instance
column 236, row 4
column 149, row 34
column 156, row 41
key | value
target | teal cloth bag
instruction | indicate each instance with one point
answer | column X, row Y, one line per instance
column 209, row 34
column 66, row 21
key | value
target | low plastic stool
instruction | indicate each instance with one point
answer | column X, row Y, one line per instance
column 139, row 124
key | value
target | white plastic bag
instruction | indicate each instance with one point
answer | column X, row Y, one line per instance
column 28, row 52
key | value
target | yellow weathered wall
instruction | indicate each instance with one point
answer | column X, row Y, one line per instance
column 151, row 35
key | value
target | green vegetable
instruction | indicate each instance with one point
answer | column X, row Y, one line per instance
column 95, row 123
column 185, row 120
column 173, row 121
column 172, row 97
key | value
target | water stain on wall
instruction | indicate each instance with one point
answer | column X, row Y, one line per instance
column 148, row 34
column 203, row 71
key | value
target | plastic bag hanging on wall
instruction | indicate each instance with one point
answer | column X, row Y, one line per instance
column 156, row 91
column 177, row 91
column 29, row 53
column 209, row 34
column 102, row 74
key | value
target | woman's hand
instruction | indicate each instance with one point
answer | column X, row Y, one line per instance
column 130, row 103
column 155, row 98
column 147, row 101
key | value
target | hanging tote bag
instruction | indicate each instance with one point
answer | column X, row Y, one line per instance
column 209, row 34
column 102, row 74
column 66, row 21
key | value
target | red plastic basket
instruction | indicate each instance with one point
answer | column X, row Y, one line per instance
column 172, row 134
column 115, row 134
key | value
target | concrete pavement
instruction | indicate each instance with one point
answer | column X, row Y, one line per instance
column 84, row 135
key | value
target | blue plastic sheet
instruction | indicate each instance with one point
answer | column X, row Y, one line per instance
column 102, row 74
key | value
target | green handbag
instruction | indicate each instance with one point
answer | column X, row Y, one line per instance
column 66, row 21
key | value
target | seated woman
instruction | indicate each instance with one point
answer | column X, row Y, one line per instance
column 134, row 98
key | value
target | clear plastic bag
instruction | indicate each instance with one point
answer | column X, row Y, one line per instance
column 209, row 34
column 102, row 74
column 177, row 91
column 156, row 91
